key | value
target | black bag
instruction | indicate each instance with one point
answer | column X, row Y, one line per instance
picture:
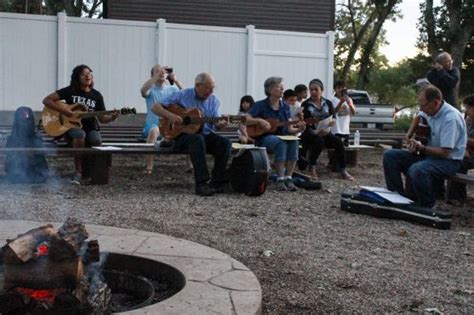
column 357, row 202
column 25, row 167
column 303, row 181
column 249, row 171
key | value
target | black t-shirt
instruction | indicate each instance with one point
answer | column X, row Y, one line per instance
column 93, row 100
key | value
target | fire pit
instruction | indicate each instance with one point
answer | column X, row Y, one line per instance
column 187, row 277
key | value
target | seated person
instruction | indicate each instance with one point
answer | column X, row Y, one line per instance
column 301, row 94
column 426, row 165
column 286, row 152
column 81, row 90
column 246, row 102
column 206, row 140
column 155, row 90
column 456, row 190
column 291, row 98
column 314, row 139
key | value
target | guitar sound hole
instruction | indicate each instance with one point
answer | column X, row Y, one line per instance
column 186, row 120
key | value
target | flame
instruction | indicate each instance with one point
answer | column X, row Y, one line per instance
column 47, row 296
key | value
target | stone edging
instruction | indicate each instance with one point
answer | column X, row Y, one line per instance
column 215, row 282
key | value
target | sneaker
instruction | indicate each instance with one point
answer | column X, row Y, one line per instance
column 220, row 187
column 205, row 190
column 281, row 186
column 290, row 185
column 76, row 179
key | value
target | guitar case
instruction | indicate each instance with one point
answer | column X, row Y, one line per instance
column 359, row 202
column 249, row 171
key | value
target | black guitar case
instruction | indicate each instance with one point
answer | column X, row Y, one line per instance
column 249, row 171
column 356, row 202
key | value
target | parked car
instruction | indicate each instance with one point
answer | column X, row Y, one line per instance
column 369, row 114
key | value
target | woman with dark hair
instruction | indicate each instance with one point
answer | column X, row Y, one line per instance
column 316, row 136
column 246, row 102
column 81, row 90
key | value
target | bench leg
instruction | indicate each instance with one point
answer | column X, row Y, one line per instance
column 100, row 168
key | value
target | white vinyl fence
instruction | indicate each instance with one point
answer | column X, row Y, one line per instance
column 38, row 53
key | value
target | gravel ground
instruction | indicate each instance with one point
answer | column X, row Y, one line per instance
column 324, row 260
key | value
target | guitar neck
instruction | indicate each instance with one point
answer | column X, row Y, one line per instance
column 211, row 120
column 294, row 122
column 95, row 114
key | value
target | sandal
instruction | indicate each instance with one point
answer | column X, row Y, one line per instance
column 147, row 171
column 346, row 175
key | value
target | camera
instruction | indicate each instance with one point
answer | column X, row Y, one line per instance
column 169, row 70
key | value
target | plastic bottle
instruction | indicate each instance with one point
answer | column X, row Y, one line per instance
column 357, row 138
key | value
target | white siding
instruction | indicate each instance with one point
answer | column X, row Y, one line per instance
column 36, row 59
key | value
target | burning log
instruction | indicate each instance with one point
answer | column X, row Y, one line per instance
column 44, row 273
column 23, row 248
column 69, row 239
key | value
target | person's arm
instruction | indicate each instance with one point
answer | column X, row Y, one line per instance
column 432, row 151
column 449, row 78
column 350, row 103
column 412, row 128
column 159, row 108
column 299, row 127
column 178, row 83
column 100, row 106
column 146, row 87
column 50, row 102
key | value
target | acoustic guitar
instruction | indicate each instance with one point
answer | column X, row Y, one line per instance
column 56, row 124
column 422, row 131
column 255, row 130
column 193, row 121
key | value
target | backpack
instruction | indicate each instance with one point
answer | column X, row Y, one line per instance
column 25, row 167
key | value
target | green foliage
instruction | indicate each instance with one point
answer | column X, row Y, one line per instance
column 403, row 122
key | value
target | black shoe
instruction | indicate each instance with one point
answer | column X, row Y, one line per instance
column 221, row 187
column 302, row 163
column 205, row 190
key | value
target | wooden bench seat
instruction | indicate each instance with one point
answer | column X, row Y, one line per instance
column 463, row 178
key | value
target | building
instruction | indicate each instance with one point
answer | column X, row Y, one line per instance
column 313, row 16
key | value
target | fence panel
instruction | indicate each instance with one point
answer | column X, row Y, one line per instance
column 37, row 54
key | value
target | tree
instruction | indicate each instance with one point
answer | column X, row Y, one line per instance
column 359, row 33
column 449, row 27
column 87, row 8
column 384, row 10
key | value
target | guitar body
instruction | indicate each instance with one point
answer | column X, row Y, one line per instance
column 422, row 131
column 170, row 132
column 56, row 124
column 257, row 130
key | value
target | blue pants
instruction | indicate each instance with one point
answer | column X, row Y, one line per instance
column 422, row 174
column 283, row 150
column 197, row 145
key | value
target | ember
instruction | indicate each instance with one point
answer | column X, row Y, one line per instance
column 47, row 296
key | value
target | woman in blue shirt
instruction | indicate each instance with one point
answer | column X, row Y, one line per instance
column 285, row 151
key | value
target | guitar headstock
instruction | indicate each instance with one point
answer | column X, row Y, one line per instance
column 128, row 111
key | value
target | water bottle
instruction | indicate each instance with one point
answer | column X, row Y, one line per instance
column 357, row 138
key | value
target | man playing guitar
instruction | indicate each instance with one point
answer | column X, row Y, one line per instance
column 205, row 141
column 81, row 91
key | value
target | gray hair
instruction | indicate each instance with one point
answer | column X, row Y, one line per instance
column 270, row 83
column 202, row 77
column 442, row 57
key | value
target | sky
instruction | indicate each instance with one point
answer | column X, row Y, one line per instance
column 403, row 33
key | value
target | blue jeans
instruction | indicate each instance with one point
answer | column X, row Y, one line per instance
column 422, row 174
column 197, row 145
column 283, row 150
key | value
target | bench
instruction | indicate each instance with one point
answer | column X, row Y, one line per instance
column 127, row 140
column 462, row 178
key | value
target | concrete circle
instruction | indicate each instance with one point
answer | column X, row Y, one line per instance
column 215, row 282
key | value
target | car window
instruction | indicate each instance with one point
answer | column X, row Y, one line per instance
column 359, row 98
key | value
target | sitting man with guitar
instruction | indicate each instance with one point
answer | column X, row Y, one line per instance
column 456, row 192
column 426, row 165
column 266, row 121
column 195, row 134
column 80, row 93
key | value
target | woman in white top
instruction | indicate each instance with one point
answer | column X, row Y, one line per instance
column 343, row 108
